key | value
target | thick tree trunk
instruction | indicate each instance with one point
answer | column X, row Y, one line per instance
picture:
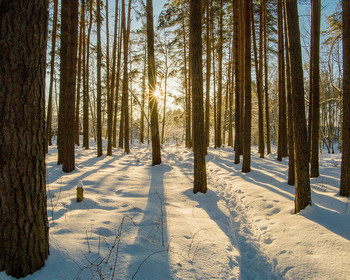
column 69, row 40
column 48, row 131
column 248, row 93
column 345, row 166
column 302, row 179
column 24, row 240
column 315, row 86
column 153, row 102
column 199, row 143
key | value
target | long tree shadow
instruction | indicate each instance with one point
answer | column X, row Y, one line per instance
column 149, row 253
column 253, row 264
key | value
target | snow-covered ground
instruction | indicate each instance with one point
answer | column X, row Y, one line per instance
column 144, row 222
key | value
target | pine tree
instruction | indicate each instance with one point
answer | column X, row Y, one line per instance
column 153, row 102
column 24, row 240
column 66, row 115
column 199, row 143
column 302, row 179
column 345, row 167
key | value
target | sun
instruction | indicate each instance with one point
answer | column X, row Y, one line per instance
column 157, row 93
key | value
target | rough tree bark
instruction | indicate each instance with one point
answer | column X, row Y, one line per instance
column 248, row 93
column 24, row 243
column 199, row 142
column 99, row 93
column 153, row 102
column 345, row 167
column 302, row 179
column 48, row 131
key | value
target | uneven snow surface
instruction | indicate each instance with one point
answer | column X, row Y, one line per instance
column 144, row 222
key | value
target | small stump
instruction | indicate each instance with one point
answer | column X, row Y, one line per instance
column 80, row 191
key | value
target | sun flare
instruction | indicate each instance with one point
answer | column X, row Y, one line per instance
column 156, row 93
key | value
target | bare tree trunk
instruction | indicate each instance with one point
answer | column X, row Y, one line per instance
column 112, row 88
column 267, row 103
column 207, row 80
column 24, row 239
column 86, row 98
column 302, row 179
column 77, row 107
column 231, row 78
column 153, row 102
column 99, row 93
column 315, row 86
column 48, row 131
column 282, row 117
column 248, row 93
column 142, row 122
column 199, row 143
column 345, row 166
column 69, row 36
column 237, row 27
column 291, row 165
column 258, row 71
column 219, row 95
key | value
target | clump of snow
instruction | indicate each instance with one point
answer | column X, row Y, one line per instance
column 142, row 222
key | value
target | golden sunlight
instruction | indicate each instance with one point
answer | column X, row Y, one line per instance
column 157, row 93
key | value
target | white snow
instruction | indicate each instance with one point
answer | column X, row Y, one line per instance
column 144, row 222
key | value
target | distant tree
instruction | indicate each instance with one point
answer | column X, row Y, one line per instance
column 302, row 179
column 66, row 115
column 199, row 142
column 153, row 102
column 314, row 118
column 24, row 240
column 48, row 138
column 345, row 167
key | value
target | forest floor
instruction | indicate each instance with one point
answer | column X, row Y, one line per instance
column 144, row 222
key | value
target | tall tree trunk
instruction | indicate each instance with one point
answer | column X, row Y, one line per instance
column 99, row 92
column 199, row 143
column 219, row 96
column 69, row 36
column 165, row 89
column 258, row 71
column 302, row 179
column 120, row 40
column 142, row 121
column 207, row 80
column 231, row 77
column 48, row 139
column 282, row 108
column 153, row 102
column 112, row 88
column 86, row 98
column 267, row 102
column 315, row 86
column 248, row 93
column 77, row 107
column 291, row 165
column 345, row 166
column 187, row 104
column 237, row 27
column 24, row 240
